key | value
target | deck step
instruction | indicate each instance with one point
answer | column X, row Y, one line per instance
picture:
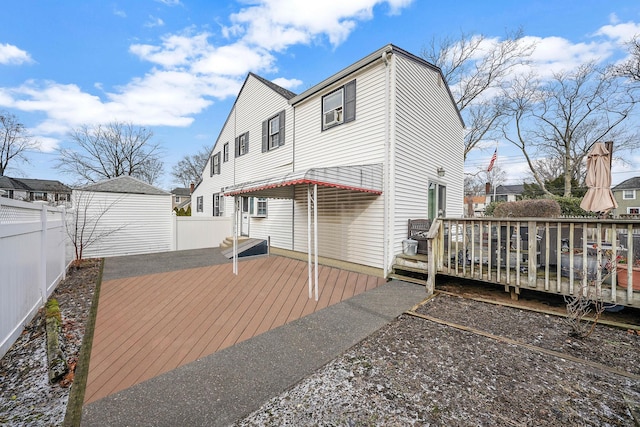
column 408, row 279
column 413, row 269
column 247, row 247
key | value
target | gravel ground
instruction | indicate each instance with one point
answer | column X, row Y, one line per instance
column 454, row 362
column 26, row 396
column 420, row 372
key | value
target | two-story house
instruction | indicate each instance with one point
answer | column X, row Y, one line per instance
column 627, row 194
column 344, row 164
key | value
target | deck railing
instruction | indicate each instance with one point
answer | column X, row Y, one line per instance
column 562, row 256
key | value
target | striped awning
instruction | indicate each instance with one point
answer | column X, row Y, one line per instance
column 362, row 178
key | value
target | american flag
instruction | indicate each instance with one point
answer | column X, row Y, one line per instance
column 493, row 160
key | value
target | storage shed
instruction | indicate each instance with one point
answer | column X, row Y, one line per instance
column 121, row 216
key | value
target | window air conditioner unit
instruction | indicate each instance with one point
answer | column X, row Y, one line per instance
column 332, row 117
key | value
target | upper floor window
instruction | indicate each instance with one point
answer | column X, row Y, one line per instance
column 628, row 194
column 199, row 204
column 242, row 144
column 215, row 164
column 225, row 152
column 177, row 199
column 273, row 132
column 339, row 106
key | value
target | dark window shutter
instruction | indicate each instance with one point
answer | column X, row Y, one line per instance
column 281, row 130
column 350, row 101
column 211, row 168
column 237, row 146
column 265, row 136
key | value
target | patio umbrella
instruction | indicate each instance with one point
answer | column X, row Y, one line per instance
column 599, row 197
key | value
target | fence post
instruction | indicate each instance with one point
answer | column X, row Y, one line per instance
column 63, row 239
column 43, row 252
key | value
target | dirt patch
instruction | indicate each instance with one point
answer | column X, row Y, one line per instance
column 26, row 396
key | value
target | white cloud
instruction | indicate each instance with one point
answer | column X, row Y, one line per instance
column 556, row 54
column 12, row 55
column 175, row 50
column 287, row 83
column 620, row 32
column 277, row 24
column 154, row 22
column 119, row 12
column 170, row 2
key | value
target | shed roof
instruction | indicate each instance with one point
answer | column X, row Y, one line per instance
column 124, row 184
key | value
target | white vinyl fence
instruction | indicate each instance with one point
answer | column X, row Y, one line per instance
column 195, row 232
column 33, row 261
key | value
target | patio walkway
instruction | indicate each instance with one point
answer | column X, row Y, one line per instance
column 153, row 323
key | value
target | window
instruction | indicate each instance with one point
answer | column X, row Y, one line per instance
column 273, row 132
column 199, row 204
column 339, row 106
column 225, row 152
column 635, row 211
column 38, row 195
column 242, row 144
column 261, row 207
column 628, row 194
column 218, row 204
column 215, row 164
column 177, row 199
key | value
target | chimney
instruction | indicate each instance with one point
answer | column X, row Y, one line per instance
column 191, row 187
column 487, row 188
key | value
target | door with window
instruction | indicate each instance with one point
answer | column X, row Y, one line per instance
column 244, row 216
column 437, row 200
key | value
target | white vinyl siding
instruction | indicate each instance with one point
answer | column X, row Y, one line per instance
column 428, row 135
column 278, row 225
column 133, row 223
column 349, row 225
column 356, row 143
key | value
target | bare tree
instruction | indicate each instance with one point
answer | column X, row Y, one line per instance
column 189, row 169
column 563, row 117
column 111, row 150
column 14, row 141
column 631, row 67
column 84, row 222
column 476, row 67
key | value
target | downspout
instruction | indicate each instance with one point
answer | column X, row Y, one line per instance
column 386, row 169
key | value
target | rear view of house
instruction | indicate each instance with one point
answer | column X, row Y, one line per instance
column 343, row 165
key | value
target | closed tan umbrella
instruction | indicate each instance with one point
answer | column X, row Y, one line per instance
column 599, row 197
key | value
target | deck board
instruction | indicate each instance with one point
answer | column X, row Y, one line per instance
column 151, row 324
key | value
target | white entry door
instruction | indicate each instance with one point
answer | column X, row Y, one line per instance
column 244, row 217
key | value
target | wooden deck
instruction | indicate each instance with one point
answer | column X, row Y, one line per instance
column 148, row 325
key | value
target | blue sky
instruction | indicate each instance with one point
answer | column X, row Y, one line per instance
column 175, row 66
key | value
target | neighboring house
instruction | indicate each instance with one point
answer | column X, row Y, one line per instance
column 35, row 190
column 627, row 194
column 474, row 206
column 506, row 193
column 125, row 216
column 181, row 198
column 382, row 140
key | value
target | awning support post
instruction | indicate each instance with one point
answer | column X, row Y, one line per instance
column 312, row 234
column 235, row 234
